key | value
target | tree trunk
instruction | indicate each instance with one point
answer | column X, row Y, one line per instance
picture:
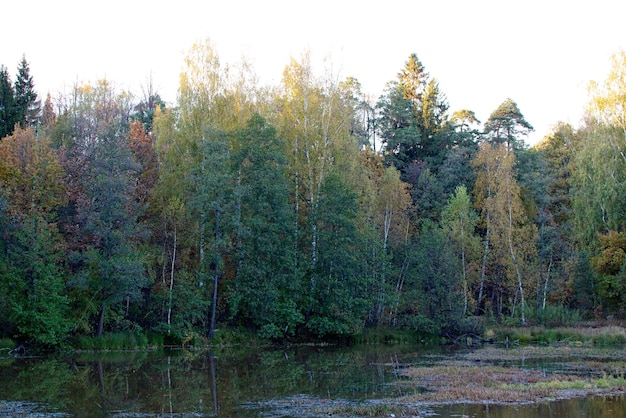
column 169, row 306
column 216, row 275
column 101, row 319
column 483, row 269
column 545, row 286
column 514, row 259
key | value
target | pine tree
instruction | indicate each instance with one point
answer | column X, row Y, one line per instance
column 506, row 125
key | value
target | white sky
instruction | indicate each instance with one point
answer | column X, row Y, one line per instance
column 541, row 54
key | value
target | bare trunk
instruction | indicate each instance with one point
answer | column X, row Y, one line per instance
column 169, row 304
column 514, row 259
column 101, row 319
column 216, row 275
column 484, row 264
column 464, row 281
column 545, row 286
column 464, row 270
column 483, row 268
column 383, row 269
column 213, row 384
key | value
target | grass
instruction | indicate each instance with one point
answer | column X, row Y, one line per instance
column 369, row 409
column 387, row 335
column 476, row 378
column 523, row 352
column 611, row 335
column 7, row 344
column 495, row 384
column 114, row 341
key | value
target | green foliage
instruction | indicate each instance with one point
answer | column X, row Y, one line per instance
column 575, row 336
column 214, row 203
column 413, row 119
column 610, row 264
column 598, row 179
column 7, row 343
column 386, row 335
column 265, row 288
column 34, row 300
column 105, row 261
column 507, row 125
column 27, row 106
column 206, row 216
column 35, row 292
column 338, row 296
column 459, row 222
column 435, row 300
column 114, row 341
column 8, row 116
column 553, row 316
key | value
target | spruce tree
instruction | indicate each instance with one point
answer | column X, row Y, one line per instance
column 27, row 105
column 7, row 103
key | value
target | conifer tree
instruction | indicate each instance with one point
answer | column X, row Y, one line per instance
column 7, row 103
column 48, row 115
column 507, row 125
column 28, row 107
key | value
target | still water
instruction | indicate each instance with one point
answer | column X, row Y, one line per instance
column 227, row 383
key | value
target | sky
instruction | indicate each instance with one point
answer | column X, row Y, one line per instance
column 541, row 54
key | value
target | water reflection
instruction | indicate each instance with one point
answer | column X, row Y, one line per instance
column 593, row 407
column 227, row 383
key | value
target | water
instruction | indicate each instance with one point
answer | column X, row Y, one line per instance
column 239, row 384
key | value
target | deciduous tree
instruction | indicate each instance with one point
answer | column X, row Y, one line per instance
column 32, row 282
column 266, row 289
column 459, row 222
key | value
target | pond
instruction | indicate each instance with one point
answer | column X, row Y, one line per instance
column 295, row 381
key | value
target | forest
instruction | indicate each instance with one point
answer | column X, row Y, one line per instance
column 302, row 211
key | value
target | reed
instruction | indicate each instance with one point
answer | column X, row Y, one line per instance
column 611, row 335
column 114, row 341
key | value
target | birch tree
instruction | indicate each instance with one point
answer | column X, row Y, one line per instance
column 508, row 234
column 459, row 222
column 314, row 118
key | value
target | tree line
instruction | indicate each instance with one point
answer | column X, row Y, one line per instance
column 301, row 210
